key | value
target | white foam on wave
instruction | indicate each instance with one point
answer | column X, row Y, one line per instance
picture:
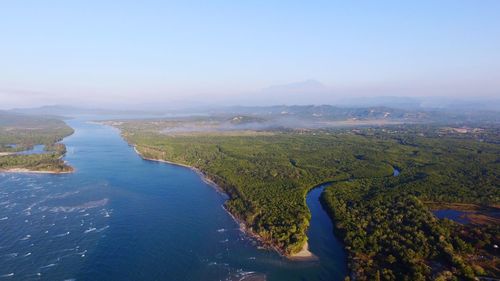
column 11, row 255
column 48, row 266
column 90, row 230
column 221, row 230
column 7, row 275
column 87, row 205
column 248, row 275
column 106, row 213
column 4, row 218
column 27, row 255
column 25, row 237
column 62, row 234
column 102, row 228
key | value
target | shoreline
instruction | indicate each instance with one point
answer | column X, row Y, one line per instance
column 303, row 255
column 196, row 170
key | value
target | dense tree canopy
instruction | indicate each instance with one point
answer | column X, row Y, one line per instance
column 389, row 233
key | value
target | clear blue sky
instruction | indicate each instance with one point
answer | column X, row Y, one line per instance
column 85, row 50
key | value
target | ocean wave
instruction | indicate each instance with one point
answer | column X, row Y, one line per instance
column 102, row 228
column 106, row 213
column 11, row 255
column 48, row 266
column 242, row 275
column 87, row 205
column 63, row 195
column 7, row 275
column 25, row 237
column 90, row 230
column 62, row 234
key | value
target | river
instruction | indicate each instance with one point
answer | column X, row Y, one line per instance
column 119, row 217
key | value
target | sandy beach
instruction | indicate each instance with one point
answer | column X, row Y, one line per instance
column 304, row 254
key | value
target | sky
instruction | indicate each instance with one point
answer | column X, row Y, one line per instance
column 94, row 52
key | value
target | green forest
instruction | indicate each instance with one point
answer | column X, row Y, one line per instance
column 385, row 221
column 20, row 132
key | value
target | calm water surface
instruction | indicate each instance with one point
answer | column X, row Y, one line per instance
column 37, row 149
column 454, row 215
column 119, row 217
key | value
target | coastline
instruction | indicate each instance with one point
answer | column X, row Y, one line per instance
column 303, row 255
column 196, row 170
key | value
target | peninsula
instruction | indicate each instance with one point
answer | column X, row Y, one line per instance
column 19, row 134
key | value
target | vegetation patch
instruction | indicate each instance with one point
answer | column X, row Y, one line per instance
column 21, row 132
column 389, row 233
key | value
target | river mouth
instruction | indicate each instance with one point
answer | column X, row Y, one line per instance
column 322, row 241
column 119, row 217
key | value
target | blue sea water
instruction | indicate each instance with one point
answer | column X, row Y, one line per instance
column 119, row 217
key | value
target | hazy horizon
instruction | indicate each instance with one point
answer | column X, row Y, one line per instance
column 152, row 54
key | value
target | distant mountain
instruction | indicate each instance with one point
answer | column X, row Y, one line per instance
column 437, row 103
column 388, row 101
column 333, row 113
column 251, row 114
